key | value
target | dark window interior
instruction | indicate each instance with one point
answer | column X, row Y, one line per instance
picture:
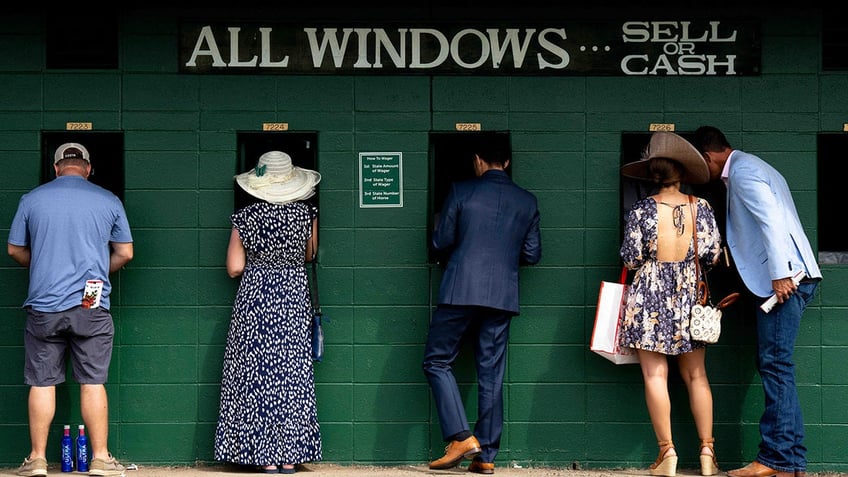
column 80, row 40
column 834, row 41
column 832, row 169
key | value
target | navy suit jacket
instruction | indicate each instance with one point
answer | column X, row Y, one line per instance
column 489, row 226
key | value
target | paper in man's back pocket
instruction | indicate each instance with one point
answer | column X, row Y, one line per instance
column 92, row 293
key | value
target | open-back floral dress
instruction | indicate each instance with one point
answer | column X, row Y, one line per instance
column 268, row 413
column 662, row 294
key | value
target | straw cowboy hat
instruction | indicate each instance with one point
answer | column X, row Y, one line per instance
column 276, row 180
column 670, row 146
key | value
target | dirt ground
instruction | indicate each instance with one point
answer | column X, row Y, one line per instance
column 335, row 470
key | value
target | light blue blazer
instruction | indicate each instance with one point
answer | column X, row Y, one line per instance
column 766, row 239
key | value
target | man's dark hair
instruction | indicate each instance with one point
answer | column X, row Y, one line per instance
column 491, row 152
column 709, row 138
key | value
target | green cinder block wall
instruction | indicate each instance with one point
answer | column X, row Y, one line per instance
column 565, row 407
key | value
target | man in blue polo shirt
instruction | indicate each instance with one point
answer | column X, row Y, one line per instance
column 71, row 234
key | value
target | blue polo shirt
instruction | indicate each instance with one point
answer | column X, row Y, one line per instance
column 68, row 224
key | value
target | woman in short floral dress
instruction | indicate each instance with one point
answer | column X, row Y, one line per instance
column 658, row 245
column 268, row 414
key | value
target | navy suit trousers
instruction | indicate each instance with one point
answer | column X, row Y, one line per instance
column 488, row 330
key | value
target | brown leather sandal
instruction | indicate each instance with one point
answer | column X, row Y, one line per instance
column 709, row 465
column 665, row 465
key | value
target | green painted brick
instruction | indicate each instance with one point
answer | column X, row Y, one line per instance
column 170, row 364
column 167, row 141
column 390, row 285
column 542, row 364
column 175, row 403
column 547, row 443
column 208, row 402
column 799, row 93
column 164, row 247
column 833, row 364
column 388, row 364
column 152, row 121
column 14, row 281
column 213, row 322
column 162, row 170
column 28, row 92
column 155, row 92
column 210, row 363
column 337, row 442
column 82, row 92
column 317, row 120
column 811, row 397
column 540, row 285
column 161, row 208
column 235, row 93
column 158, row 326
column 392, row 121
column 212, row 247
column 204, row 442
column 236, row 120
column 215, row 287
column 623, row 95
column 549, row 403
column 452, row 93
column 563, row 247
column 392, row 94
column 390, row 246
column 160, row 287
column 316, row 93
column 337, row 365
column 547, row 94
column 389, row 402
column 335, row 403
column 560, row 208
column 547, row 325
column 336, row 285
column 160, row 443
column 391, row 325
column 388, row 443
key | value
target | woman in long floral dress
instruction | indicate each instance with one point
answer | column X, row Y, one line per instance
column 268, row 413
column 658, row 244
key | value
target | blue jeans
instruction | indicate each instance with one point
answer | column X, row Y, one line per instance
column 781, row 425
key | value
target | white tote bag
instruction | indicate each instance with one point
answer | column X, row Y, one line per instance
column 611, row 298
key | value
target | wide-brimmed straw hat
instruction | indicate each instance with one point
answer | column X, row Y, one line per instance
column 276, row 180
column 670, row 146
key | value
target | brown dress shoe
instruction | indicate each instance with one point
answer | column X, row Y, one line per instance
column 755, row 469
column 456, row 451
column 480, row 467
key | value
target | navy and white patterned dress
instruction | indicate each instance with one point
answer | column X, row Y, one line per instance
column 662, row 294
column 268, row 413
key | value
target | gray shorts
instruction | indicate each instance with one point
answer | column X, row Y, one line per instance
column 85, row 334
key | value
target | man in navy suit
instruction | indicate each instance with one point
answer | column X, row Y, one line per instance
column 768, row 246
column 488, row 226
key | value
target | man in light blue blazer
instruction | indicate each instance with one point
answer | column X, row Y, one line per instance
column 769, row 247
column 488, row 226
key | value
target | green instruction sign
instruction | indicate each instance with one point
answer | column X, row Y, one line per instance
column 380, row 179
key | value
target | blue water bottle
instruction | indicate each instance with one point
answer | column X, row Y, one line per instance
column 82, row 450
column 67, row 451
